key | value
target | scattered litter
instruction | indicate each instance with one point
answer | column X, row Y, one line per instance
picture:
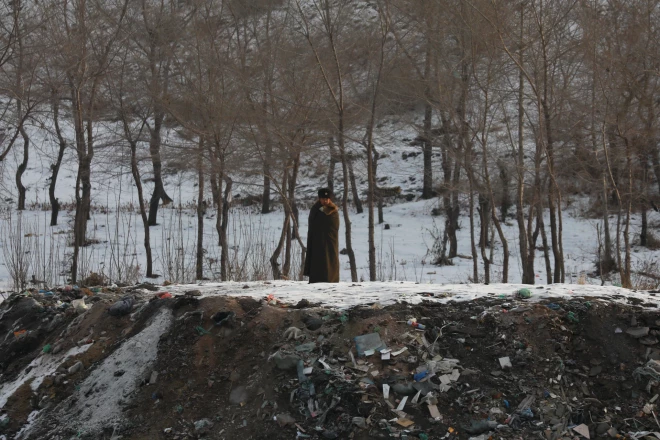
column 122, row 307
column 505, row 363
column 402, row 404
column 583, row 430
column 222, row 317
column 435, row 414
column 398, row 352
column 368, row 342
column 524, row 293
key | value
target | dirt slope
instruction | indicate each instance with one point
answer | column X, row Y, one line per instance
column 168, row 370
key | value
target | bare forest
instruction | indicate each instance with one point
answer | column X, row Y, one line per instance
column 523, row 104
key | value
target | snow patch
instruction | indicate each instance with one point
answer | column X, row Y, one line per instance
column 343, row 296
column 37, row 371
column 101, row 396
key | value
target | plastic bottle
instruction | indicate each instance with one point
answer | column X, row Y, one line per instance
column 416, row 324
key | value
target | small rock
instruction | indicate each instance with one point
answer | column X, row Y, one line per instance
column 480, row 426
column 649, row 340
column 202, row 426
column 193, row 293
column 153, row 378
column 313, row 323
column 404, row 389
column 612, row 432
column 638, row 332
column 238, row 395
column 602, row 428
column 285, row 362
column 595, row 371
column 78, row 366
column 303, row 303
column 285, row 419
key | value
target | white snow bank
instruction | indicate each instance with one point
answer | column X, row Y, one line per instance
column 101, row 396
column 346, row 295
column 43, row 366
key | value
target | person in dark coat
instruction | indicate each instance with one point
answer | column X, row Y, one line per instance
column 322, row 259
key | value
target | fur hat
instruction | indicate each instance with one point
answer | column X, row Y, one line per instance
column 325, row 193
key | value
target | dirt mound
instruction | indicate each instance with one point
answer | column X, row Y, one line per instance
column 223, row 367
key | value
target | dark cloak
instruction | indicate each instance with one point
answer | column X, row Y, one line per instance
column 322, row 259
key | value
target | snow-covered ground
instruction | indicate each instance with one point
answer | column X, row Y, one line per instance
column 345, row 295
column 403, row 250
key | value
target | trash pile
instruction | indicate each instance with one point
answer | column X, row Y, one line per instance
column 139, row 362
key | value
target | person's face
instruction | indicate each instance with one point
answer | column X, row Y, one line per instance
column 325, row 201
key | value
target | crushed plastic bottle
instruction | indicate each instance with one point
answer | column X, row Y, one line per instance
column 415, row 324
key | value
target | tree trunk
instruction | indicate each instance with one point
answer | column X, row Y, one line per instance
column 224, row 253
column 643, row 198
column 626, row 281
column 473, row 247
column 213, row 181
column 331, row 164
column 265, row 197
column 454, row 212
column 524, row 233
column 354, row 187
column 143, row 211
column 274, row 258
column 54, row 202
column 292, row 210
column 484, row 229
column 22, row 167
column 544, row 241
column 643, row 234
column 427, row 146
column 505, row 199
column 199, row 257
column 656, row 166
column 84, row 148
column 345, row 164
column 607, row 261
column 154, row 149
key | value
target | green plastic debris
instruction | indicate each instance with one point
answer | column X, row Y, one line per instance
column 179, row 409
column 377, row 329
column 201, row 331
column 47, row 348
column 343, row 318
column 423, row 436
column 524, row 293
column 571, row 317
